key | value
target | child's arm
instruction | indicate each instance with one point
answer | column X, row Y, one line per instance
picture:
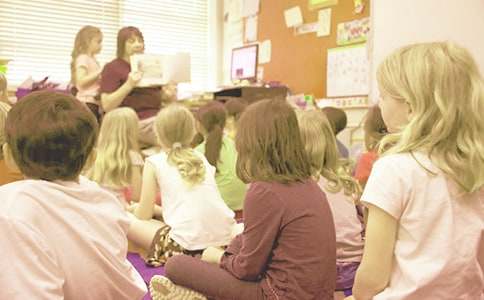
column 136, row 183
column 110, row 101
column 83, row 78
column 375, row 268
column 146, row 205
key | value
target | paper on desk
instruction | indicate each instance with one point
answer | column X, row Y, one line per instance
column 161, row 69
column 324, row 22
column 265, row 52
column 293, row 16
column 250, row 7
column 251, row 29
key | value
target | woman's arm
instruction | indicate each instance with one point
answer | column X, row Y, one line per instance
column 83, row 78
column 374, row 272
column 110, row 101
column 145, row 209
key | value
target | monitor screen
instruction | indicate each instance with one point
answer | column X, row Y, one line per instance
column 244, row 63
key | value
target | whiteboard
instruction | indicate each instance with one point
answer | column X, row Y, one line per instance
column 347, row 71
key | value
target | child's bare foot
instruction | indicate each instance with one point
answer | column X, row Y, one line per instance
column 161, row 288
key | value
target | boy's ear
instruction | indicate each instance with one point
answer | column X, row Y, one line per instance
column 10, row 162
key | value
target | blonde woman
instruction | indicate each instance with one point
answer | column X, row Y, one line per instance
column 425, row 194
column 334, row 177
column 118, row 163
column 194, row 214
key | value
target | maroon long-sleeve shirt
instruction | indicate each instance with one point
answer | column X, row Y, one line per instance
column 288, row 242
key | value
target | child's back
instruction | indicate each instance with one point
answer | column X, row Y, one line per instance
column 439, row 231
column 76, row 230
column 197, row 214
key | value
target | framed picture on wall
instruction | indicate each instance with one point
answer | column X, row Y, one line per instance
column 317, row 4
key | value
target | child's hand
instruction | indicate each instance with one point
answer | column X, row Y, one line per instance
column 349, row 298
column 132, row 207
column 134, row 78
column 212, row 255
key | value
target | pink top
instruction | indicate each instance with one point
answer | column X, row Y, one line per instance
column 87, row 94
column 349, row 241
column 64, row 240
column 288, row 242
column 364, row 166
column 439, row 230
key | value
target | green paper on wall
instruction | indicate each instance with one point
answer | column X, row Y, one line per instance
column 315, row 4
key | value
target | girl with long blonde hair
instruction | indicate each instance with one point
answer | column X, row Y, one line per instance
column 85, row 69
column 425, row 194
column 342, row 191
column 118, row 162
column 194, row 214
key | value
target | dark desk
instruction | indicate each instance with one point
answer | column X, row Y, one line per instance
column 251, row 93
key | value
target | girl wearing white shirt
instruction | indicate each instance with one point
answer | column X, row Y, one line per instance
column 425, row 194
column 194, row 214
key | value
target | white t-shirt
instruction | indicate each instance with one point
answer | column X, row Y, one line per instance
column 439, row 232
column 64, row 240
column 197, row 215
column 349, row 241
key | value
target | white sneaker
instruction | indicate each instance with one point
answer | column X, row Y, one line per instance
column 161, row 288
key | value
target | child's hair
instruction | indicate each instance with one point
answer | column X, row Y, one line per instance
column 336, row 117
column 124, row 34
column 445, row 92
column 269, row 144
column 320, row 144
column 235, row 107
column 175, row 128
column 212, row 117
column 374, row 128
column 81, row 45
column 51, row 135
column 4, row 108
column 3, row 88
column 117, row 137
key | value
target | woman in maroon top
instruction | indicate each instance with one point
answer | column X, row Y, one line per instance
column 118, row 84
column 287, row 249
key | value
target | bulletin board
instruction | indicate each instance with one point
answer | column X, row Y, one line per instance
column 300, row 61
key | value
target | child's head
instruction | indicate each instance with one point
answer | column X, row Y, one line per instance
column 320, row 144
column 50, row 136
column 4, row 108
column 88, row 41
column 235, row 107
column 117, row 137
column 3, row 88
column 269, row 144
column 337, row 118
column 130, row 41
column 374, row 128
column 175, row 128
column 433, row 101
column 211, row 118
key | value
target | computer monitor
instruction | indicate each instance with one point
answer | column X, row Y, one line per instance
column 244, row 63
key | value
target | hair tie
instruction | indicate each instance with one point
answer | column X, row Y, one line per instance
column 176, row 145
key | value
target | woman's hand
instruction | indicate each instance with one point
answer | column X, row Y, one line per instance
column 212, row 255
column 134, row 78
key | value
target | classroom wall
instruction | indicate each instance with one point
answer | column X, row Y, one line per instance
column 397, row 23
column 299, row 61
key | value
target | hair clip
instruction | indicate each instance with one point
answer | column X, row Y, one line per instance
column 176, row 145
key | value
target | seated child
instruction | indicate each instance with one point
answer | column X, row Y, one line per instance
column 375, row 130
column 337, row 118
column 7, row 173
column 118, row 163
column 219, row 149
column 194, row 214
column 62, row 236
column 334, row 178
column 287, row 249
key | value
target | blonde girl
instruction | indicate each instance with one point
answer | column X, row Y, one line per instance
column 194, row 214
column 334, row 177
column 3, row 89
column 118, row 163
column 425, row 194
column 85, row 69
